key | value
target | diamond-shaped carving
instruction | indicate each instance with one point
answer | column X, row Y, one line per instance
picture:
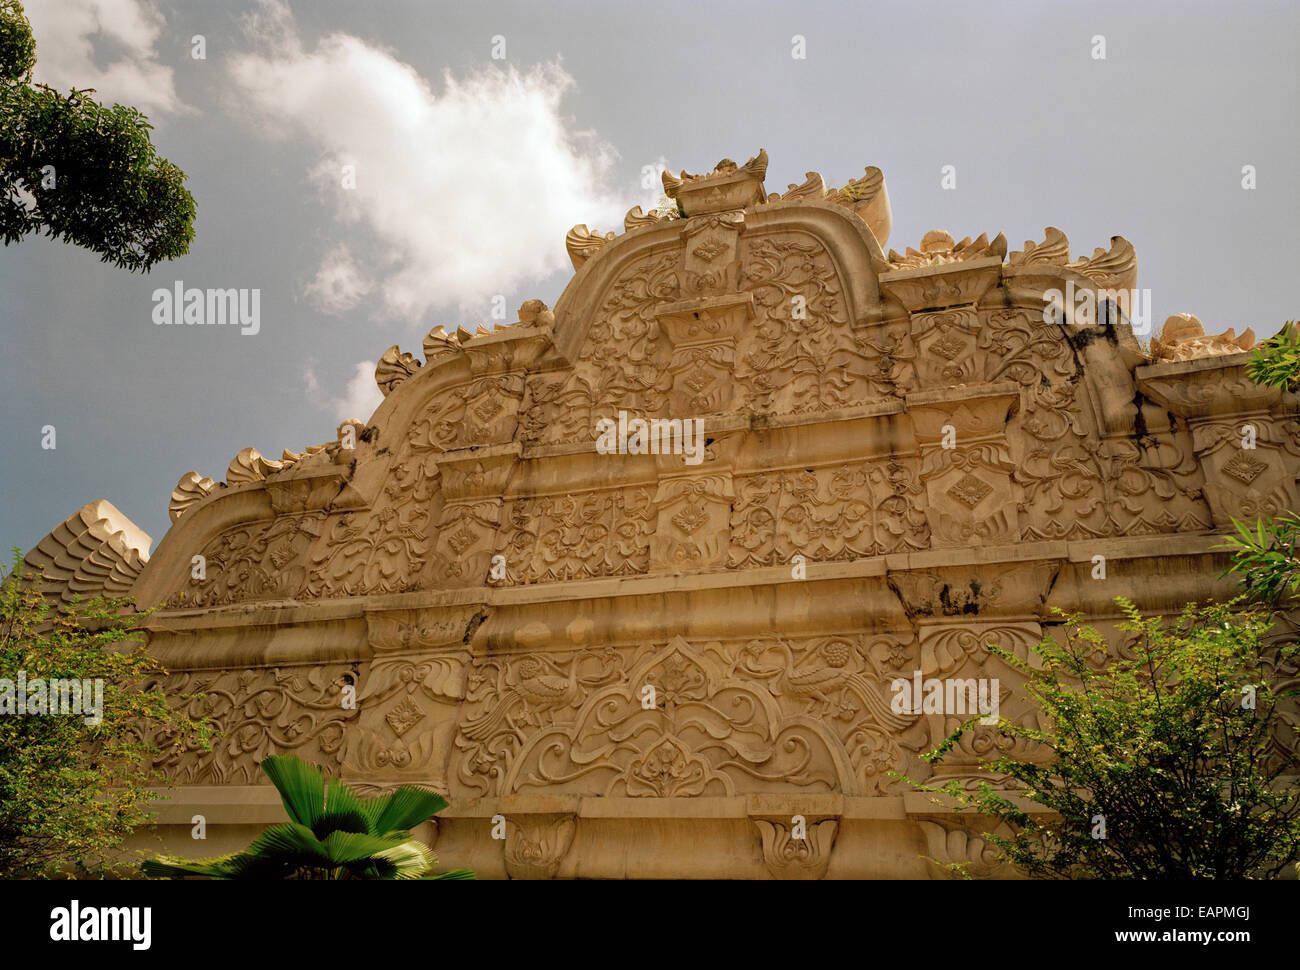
column 404, row 716
column 970, row 491
column 1245, row 468
column 949, row 346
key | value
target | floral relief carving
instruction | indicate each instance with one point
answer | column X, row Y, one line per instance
column 260, row 712
column 408, row 717
column 726, row 719
column 618, row 365
column 255, row 561
column 801, row 355
column 843, row 512
column 583, row 536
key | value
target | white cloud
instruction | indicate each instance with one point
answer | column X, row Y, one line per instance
column 339, row 284
column 360, row 397
column 464, row 189
column 67, row 33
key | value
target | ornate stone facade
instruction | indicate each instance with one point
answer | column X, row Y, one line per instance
column 629, row 664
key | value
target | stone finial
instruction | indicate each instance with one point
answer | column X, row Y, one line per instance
column 1054, row 250
column 861, row 191
column 535, row 313
column 438, row 344
column 190, row 490
column 938, row 248
column 636, row 219
column 1111, row 269
column 869, row 200
column 288, row 457
column 394, row 368
column 1183, row 338
column 582, row 244
column 250, row 466
column 813, row 189
column 727, row 188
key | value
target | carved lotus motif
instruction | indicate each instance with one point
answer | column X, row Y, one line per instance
column 668, row 769
column 462, row 540
column 1245, row 468
column 690, row 518
column 709, row 250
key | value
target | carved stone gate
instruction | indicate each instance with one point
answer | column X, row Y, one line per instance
column 907, row 458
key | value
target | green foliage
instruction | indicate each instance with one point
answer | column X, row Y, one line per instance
column 332, row 833
column 1265, row 556
column 17, row 46
column 70, row 792
column 1191, row 781
column 80, row 171
column 1276, row 362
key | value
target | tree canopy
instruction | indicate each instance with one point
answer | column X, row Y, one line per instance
column 81, row 171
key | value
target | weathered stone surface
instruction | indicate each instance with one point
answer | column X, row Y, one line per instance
column 649, row 667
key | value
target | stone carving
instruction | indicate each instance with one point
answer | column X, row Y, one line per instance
column 535, row 845
column 407, row 699
column 728, row 187
column 582, row 244
column 938, row 248
column 827, row 514
column 557, row 538
column 957, row 848
column 964, row 459
column 96, row 551
column 806, row 857
column 725, row 720
column 1183, row 338
column 904, row 462
column 393, row 368
column 253, row 561
column 1054, row 250
column 259, row 712
column 191, row 489
column 1110, row 269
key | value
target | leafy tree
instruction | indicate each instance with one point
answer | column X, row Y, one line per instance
column 332, row 833
column 1264, row 554
column 70, row 792
column 80, row 171
column 1180, row 750
column 1276, row 362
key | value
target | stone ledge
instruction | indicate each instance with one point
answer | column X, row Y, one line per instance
column 275, row 613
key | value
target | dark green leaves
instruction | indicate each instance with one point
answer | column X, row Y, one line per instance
column 1179, row 741
column 1265, row 556
column 81, row 171
column 334, row 833
column 17, row 47
column 1276, row 362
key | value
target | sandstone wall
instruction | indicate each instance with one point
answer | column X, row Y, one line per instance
column 905, row 463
